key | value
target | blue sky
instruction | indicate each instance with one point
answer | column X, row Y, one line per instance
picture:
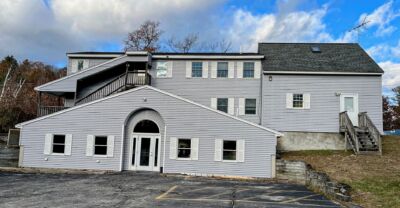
column 44, row 30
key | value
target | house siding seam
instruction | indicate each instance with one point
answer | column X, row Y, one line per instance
column 323, row 115
column 182, row 120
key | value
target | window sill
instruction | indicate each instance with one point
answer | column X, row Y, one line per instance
column 183, row 158
column 163, row 77
column 58, row 154
column 230, row 161
column 100, row 156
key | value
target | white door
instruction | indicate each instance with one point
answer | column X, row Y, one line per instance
column 349, row 103
column 145, row 152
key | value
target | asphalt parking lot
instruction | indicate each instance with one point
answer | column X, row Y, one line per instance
column 141, row 189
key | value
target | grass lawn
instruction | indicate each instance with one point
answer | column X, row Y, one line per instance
column 375, row 179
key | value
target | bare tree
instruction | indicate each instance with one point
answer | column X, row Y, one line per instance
column 222, row 46
column 145, row 38
column 185, row 45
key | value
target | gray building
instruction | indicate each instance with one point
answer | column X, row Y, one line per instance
column 206, row 113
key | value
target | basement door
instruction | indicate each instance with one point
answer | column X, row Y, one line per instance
column 349, row 103
column 145, row 152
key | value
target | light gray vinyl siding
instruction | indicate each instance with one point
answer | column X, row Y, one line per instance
column 68, row 84
column 92, row 62
column 182, row 120
column 201, row 90
column 323, row 115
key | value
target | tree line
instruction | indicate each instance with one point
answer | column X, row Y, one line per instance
column 391, row 110
column 18, row 99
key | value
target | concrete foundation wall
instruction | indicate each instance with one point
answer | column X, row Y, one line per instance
column 296, row 141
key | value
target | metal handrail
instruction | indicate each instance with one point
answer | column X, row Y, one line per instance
column 46, row 110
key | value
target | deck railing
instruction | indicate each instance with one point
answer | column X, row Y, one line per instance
column 348, row 128
column 365, row 121
column 46, row 110
column 124, row 81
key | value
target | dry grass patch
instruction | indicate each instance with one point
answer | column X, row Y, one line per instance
column 375, row 179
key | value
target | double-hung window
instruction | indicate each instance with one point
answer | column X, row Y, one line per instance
column 58, row 144
column 184, row 148
column 298, row 101
column 248, row 70
column 222, row 69
column 162, row 69
column 197, row 69
column 222, row 104
column 250, row 106
column 100, row 145
column 229, row 150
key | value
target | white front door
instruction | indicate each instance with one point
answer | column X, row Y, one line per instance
column 145, row 152
column 349, row 103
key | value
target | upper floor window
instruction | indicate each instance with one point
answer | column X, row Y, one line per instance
column 222, row 104
column 80, row 64
column 248, row 69
column 162, row 69
column 297, row 100
column 197, row 69
column 250, row 106
column 222, row 69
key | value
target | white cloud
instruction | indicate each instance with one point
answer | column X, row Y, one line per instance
column 30, row 29
column 382, row 17
column 391, row 78
column 295, row 26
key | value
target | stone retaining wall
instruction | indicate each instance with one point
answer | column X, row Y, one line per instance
column 302, row 173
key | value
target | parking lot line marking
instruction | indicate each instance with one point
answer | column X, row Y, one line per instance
column 246, row 201
column 167, row 192
column 300, row 198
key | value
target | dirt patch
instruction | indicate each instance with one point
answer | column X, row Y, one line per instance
column 375, row 179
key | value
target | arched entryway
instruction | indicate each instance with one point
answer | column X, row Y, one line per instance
column 145, row 128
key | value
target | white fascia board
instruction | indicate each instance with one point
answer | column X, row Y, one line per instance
column 132, row 53
column 20, row 125
column 321, row 73
column 209, row 57
column 77, row 73
column 94, row 55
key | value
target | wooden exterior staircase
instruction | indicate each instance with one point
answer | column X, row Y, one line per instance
column 363, row 139
column 126, row 81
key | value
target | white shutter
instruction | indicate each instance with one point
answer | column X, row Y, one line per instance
column 74, row 65
column 48, row 142
column 188, row 69
column 257, row 69
column 85, row 64
column 240, row 150
column 214, row 103
column 89, row 145
column 173, row 148
column 306, row 100
column 242, row 103
column 194, row 149
column 110, row 146
column 239, row 69
column 169, row 69
column 68, row 144
column 218, row 150
column 231, row 106
column 289, row 100
column 231, row 69
column 214, row 69
column 205, row 69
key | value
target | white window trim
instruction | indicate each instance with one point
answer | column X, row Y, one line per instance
column 190, row 75
column 306, row 101
column 236, row 151
column 92, row 147
column 191, row 149
column 244, row 107
column 51, row 142
column 169, row 66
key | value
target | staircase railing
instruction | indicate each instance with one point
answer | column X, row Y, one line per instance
column 365, row 121
column 128, row 79
column 46, row 110
column 350, row 132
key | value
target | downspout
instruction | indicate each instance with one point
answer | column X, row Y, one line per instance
column 261, row 96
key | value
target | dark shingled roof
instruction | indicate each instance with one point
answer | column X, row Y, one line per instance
column 333, row 57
